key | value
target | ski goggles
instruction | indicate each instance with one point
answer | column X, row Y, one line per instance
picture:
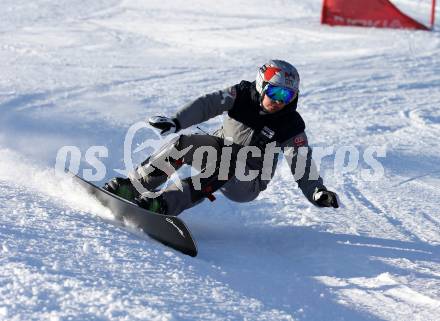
column 280, row 94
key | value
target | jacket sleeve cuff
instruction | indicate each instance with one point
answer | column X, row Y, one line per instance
column 177, row 122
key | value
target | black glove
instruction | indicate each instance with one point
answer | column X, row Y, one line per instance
column 165, row 124
column 325, row 198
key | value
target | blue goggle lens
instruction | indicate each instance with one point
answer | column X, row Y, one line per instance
column 281, row 94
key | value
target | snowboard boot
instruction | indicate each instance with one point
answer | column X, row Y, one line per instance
column 156, row 205
column 122, row 187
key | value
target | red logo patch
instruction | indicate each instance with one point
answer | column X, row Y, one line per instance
column 299, row 141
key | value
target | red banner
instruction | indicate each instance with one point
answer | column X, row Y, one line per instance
column 366, row 13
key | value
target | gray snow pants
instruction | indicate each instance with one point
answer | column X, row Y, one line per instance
column 194, row 150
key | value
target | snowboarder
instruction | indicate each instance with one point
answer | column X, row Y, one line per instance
column 261, row 120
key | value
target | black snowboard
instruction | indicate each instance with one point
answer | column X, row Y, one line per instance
column 168, row 230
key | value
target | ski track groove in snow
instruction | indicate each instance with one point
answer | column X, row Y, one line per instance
column 81, row 75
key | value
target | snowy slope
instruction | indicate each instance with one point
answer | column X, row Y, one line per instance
column 416, row 9
column 81, row 74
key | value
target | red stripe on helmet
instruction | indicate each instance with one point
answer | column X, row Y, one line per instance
column 270, row 72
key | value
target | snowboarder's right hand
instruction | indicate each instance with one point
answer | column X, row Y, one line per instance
column 325, row 198
column 166, row 125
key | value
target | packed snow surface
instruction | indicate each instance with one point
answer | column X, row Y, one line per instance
column 76, row 73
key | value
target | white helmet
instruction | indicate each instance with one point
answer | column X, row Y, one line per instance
column 277, row 73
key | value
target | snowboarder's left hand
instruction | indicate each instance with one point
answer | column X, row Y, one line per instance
column 325, row 198
column 165, row 124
